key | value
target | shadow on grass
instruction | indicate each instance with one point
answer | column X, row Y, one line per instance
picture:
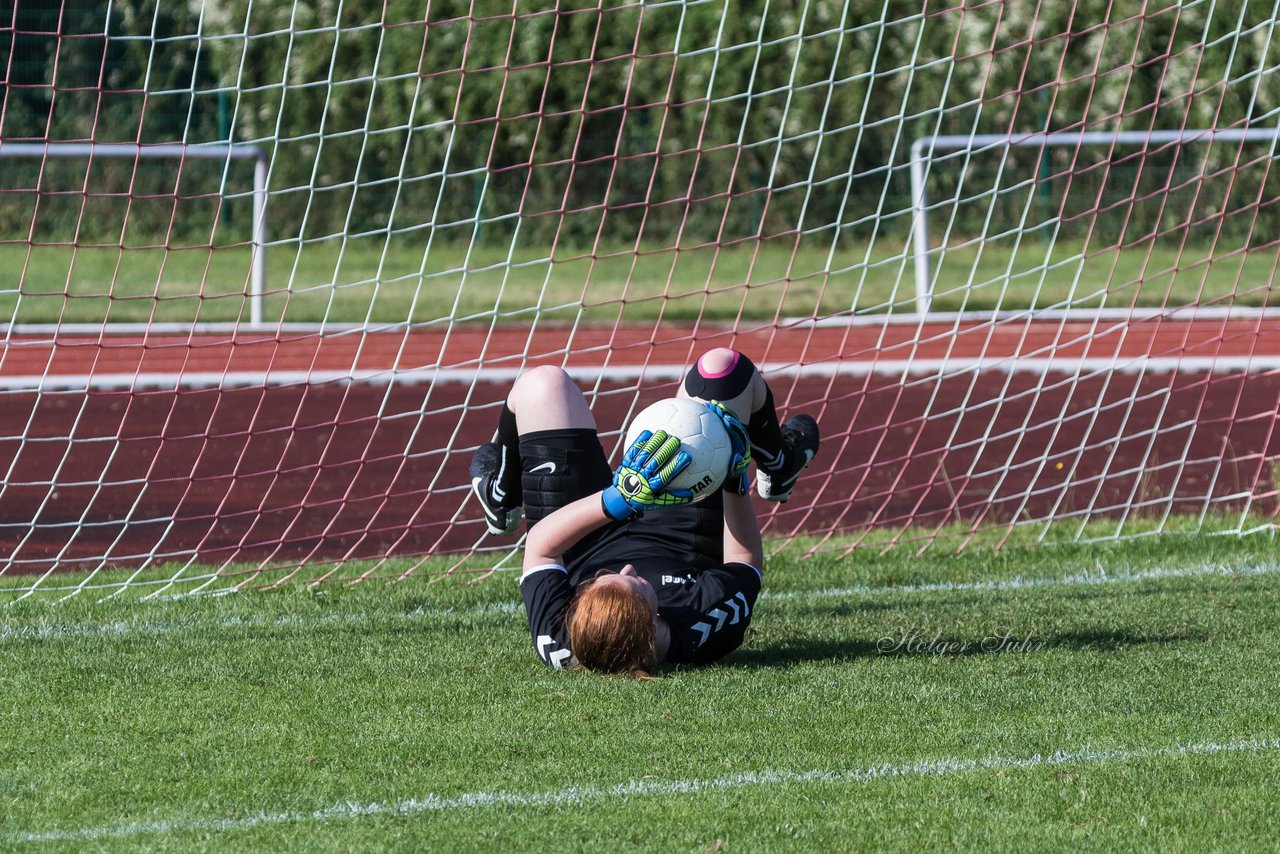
column 911, row 644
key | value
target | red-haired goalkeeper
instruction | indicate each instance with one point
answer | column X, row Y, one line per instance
column 623, row 572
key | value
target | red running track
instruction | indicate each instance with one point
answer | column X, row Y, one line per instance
column 326, row 469
column 65, row 354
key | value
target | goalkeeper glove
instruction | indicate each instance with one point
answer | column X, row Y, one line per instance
column 643, row 480
column 737, row 480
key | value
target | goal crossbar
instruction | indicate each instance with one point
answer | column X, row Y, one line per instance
column 179, row 151
column 923, row 148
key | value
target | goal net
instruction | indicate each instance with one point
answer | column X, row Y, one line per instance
column 268, row 267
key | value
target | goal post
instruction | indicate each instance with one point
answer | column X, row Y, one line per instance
column 924, row 149
column 206, row 151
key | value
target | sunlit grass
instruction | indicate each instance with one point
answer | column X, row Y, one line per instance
column 375, row 281
column 386, row 714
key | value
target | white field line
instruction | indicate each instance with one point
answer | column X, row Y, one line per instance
column 12, row 632
column 949, row 367
column 575, row 795
column 127, row 628
column 1084, row 578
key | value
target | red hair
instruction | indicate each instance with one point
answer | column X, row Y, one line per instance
column 611, row 630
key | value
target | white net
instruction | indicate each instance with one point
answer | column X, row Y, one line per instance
column 269, row 267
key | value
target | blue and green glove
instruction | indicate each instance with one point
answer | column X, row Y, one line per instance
column 737, row 481
column 643, row 480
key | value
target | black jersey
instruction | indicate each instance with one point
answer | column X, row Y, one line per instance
column 672, row 540
column 706, row 610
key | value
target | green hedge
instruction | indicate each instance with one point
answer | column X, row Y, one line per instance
column 638, row 122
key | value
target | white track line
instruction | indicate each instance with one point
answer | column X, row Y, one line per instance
column 878, row 318
column 639, row 373
column 12, row 632
column 575, row 795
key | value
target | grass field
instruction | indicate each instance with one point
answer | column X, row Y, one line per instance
column 358, row 281
column 1102, row 697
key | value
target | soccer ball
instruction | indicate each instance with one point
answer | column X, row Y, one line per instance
column 701, row 435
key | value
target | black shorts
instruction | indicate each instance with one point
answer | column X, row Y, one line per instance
column 559, row 467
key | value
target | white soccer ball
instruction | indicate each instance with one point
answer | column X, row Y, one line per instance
column 701, row 435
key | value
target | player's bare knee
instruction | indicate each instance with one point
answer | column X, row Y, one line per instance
column 538, row 385
column 717, row 361
column 727, row 376
column 547, row 398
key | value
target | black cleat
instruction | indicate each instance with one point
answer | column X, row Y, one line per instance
column 775, row 477
column 491, row 464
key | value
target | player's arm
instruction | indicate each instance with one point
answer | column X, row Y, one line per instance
column 640, row 484
column 547, row 595
column 558, row 531
column 742, row 542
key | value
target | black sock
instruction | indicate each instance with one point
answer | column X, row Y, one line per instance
column 766, row 434
column 509, row 441
column 508, row 433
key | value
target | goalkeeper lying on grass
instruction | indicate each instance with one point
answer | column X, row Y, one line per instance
column 619, row 579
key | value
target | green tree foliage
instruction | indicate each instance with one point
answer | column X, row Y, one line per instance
column 651, row 123
column 121, row 72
